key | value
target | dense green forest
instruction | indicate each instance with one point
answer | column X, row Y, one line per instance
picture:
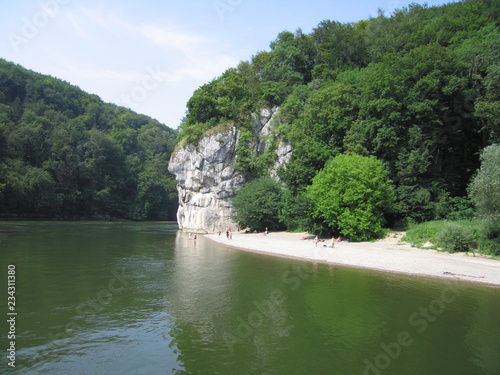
column 66, row 154
column 418, row 90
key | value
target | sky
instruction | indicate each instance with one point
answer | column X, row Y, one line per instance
column 151, row 55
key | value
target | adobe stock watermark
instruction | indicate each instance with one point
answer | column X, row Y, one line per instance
column 224, row 6
column 31, row 26
column 140, row 92
column 86, row 310
column 391, row 6
column 269, row 309
column 419, row 322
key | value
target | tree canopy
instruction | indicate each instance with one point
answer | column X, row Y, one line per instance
column 417, row 89
column 66, row 154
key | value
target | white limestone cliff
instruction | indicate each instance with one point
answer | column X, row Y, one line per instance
column 206, row 179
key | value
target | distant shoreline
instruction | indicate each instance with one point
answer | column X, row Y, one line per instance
column 387, row 255
column 111, row 220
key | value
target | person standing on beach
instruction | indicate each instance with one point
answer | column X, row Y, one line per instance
column 316, row 240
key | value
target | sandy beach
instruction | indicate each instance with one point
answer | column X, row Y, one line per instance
column 389, row 254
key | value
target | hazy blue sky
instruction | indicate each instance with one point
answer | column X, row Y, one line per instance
column 151, row 55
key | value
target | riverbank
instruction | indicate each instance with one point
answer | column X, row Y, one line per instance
column 389, row 254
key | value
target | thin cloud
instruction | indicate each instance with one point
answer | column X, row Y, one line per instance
column 172, row 38
column 78, row 27
column 106, row 20
column 190, row 55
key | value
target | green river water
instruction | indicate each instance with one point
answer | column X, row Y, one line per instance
column 141, row 298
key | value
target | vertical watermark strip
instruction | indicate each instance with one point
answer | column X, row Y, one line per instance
column 11, row 315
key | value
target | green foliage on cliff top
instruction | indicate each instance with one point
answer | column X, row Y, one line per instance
column 66, row 154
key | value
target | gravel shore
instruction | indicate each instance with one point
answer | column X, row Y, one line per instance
column 389, row 254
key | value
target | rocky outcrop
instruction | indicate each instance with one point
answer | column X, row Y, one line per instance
column 207, row 180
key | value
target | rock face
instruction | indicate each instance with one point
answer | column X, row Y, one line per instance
column 206, row 179
column 206, row 182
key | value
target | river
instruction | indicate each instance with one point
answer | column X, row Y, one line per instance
column 141, row 298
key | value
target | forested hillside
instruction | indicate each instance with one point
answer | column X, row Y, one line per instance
column 418, row 90
column 66, row 154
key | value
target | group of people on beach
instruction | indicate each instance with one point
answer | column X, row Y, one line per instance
column 229, row 236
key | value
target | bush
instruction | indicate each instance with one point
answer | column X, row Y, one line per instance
column 490, row 237
column 353, row 194
column 419, row 234
column 258, row 203
column 456, row 238
column 491, row 229
column 296, row 212
column 454, row 208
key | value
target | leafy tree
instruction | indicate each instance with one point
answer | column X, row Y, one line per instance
column 29, row 189
column 317, row 133
column 482, row 54
column 157, row 193
column 257, row 204
column 340, row 47
column 485, row 186
column 352, row 194
column 292, row 60
column 296, row 213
